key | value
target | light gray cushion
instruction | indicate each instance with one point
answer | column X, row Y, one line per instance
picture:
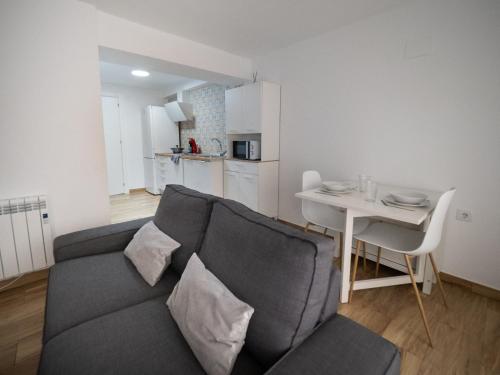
column 85, row 288
column 183, row 214
column 212, row 320
column 283, row 273
column 141, row 339
column 150, row 251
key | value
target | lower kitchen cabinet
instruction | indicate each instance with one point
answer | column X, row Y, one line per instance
column 255, row 184
column 204, row 176
column 169, row 172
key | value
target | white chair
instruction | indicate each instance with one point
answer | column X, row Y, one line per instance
column 327, row 217
column 410, row 243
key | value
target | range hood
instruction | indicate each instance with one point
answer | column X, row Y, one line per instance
column 179, row 111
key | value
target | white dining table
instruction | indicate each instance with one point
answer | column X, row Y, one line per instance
column 356, row 205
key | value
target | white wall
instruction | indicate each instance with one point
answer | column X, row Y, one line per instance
column 353, row 103
column 132, row 101
column 50, row 118
column 50, row 129
column 118, row 33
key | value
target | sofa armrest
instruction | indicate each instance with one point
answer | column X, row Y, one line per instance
column 340, row 346
column 99, row 240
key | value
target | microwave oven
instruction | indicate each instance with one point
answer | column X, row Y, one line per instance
column 249, row 150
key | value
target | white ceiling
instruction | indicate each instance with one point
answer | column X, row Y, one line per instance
column 244, row 27
column 120, row 75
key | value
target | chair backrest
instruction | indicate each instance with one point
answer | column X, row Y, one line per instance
column 310, row 180
column 434, row 231
column 317, row 213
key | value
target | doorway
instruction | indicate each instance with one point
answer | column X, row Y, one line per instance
column 113, row 144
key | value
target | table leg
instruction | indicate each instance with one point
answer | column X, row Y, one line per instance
column 346, row 264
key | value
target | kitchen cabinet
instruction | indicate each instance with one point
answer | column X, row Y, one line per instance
column 169, row 172
column 249, row 190
column 234, row 110
column 231, row 185
column 253, row 113
column 254, row 184
column 253, row 108
column 204, row 176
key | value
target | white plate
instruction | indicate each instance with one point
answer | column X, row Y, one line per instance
column 408, row 197
column 391, row 200
column 334, row 192
column 338, row 186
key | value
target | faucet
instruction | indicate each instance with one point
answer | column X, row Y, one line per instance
column 221, row 153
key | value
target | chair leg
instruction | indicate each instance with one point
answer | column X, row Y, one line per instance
column 378, row 261
column 364, row 257
column 419, row 300
column 358, row 246
column 306, row 228
column 436, row 272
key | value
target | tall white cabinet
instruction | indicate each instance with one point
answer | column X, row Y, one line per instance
column 253, row 113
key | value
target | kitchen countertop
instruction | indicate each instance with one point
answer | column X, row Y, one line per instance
column 193, row 156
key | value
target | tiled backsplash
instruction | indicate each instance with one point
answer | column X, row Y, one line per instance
column 210, row 118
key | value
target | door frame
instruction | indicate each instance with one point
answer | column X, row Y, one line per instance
column 122, row 142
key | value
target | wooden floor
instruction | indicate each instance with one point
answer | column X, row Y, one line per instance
column 133, row 206
column 466, row 336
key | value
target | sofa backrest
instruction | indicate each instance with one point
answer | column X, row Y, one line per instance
column 283, row 273
column 183, row 214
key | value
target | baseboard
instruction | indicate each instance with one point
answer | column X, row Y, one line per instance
column 138, row 190
column 480, row 289
column 27, row 278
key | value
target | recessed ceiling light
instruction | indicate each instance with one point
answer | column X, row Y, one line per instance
column 140, row 73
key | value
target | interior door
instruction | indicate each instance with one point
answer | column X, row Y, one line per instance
column 113, row 144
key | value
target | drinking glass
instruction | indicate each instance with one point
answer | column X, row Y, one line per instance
column 362, row 181
column 371, row 191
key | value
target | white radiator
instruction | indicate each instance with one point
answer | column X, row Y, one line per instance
column 25, row 236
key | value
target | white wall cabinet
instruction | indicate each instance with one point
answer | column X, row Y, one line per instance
column 252, row 108
column 204, row 176
column 252, row 97
column 253, row 184
column 234, row 110
column 253, row 113
column 169, row 172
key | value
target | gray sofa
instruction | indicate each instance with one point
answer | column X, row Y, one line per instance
column 103, row 318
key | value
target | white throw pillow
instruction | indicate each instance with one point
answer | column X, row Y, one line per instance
column 151, row 252
column 212, row 320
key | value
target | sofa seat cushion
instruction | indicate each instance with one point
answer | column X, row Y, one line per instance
column 85, row 288
column 183, row 214
column 283, row 273
column 141, row 339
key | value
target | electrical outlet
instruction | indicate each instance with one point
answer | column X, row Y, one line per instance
column 464, row 215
